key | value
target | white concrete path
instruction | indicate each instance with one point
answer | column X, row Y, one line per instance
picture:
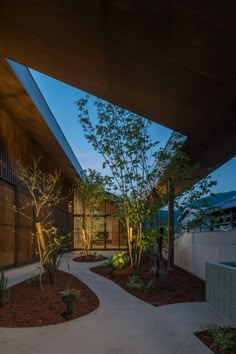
column 122, row 324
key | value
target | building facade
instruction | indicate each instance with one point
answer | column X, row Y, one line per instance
column 27, row 134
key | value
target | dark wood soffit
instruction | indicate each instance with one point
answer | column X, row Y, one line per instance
column 16, row 102
column 172, row 61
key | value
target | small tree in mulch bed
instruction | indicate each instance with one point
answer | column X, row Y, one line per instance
column 44, row 193
column 92, row 194
column 124, row 142
column 123, row 139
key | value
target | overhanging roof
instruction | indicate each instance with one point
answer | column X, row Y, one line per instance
column 172, row 61
column 20, row 96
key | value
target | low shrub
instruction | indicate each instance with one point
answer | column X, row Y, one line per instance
column 135, row 282
column 55, row 251
column 222, row 338
column 119, row 260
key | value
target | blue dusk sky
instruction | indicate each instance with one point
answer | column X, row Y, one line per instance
column 61, row 98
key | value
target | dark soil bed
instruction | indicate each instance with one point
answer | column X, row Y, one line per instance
column 29, row 307
column 206, row 339
column 89, row 258
column 180, row 286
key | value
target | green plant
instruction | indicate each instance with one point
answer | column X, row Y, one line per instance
column 222, row 338
column 44, row 192
column 55, row 250
column 106, row 263
column 148, row 287
column 135, row 282
column 119, row 260
column 71, row 292
column 92, row 194
column 4, row 292
column 136, row 166
column 99, row 257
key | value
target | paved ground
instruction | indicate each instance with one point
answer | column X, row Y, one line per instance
column 122, row 324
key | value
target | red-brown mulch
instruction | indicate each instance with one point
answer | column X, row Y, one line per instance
column 29, row 307
column 206, row 339
column 180, row 285
column 89, row 258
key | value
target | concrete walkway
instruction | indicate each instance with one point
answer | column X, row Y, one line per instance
column 122, row 324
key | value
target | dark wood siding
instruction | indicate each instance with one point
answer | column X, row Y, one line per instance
column 24, row 230
column 7, row 226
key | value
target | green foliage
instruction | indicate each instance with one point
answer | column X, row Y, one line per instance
column 92, row 194
column 119, row 260
column 4, row 292
column 136, row 165
column 99, row 257
column 135, row 282
column 106, row 263
column 222, row 337
column 55, row 250
column 123, row 139
column 154, row 242
column 148, row 286
column 74, row 293
column 91, row 189
column 150, row 249
column 44, row 192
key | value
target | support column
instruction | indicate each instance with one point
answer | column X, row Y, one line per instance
column 170, row 225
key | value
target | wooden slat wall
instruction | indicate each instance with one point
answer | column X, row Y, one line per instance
column 64, row 222
column 7, row 226
column 13, row 145
column 24, row 230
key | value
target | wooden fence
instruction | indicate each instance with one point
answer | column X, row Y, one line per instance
column 193, row 250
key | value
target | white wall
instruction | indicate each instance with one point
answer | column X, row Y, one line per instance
column 193, row 250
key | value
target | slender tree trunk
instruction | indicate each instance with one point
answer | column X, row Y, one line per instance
column 41, row 238
column 41, row 264
column 140, row 247
column 130, row 246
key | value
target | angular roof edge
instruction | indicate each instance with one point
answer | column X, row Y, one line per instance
column 24, row 76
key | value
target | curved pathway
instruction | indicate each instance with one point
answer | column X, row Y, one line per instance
column 122, row 324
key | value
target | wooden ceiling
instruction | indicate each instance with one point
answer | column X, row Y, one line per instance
column 17, row 102
column 172, row 61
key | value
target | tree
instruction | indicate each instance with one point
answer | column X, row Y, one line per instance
column 44, row 193
column 144, row 176
column 92, row 194
column 123, row 140
column 179, row 184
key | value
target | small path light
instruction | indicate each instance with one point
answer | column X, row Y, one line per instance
column 111, row 271
column 69, row 296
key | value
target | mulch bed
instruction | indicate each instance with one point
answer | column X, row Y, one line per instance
column 29, row 307
column 180, row 286
column 205, row 338
column 89, row 258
